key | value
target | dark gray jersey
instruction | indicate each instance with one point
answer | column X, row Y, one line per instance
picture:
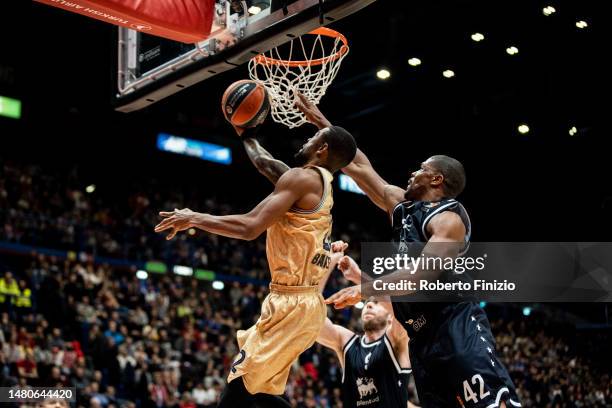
column 372, row 375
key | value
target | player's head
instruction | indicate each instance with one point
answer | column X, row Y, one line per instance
column 331, row 147
column 374, row 316
column 439, row 174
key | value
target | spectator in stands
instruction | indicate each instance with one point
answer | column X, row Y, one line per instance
column 9, row 290
column 169, row 340
column 113, row 333
column 23, row 299
column 27, row 367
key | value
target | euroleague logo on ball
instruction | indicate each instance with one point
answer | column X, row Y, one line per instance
column 245, row 103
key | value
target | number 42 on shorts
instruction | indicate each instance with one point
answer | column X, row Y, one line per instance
column 469, row 394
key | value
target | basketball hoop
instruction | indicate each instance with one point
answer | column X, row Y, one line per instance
column 310, row 66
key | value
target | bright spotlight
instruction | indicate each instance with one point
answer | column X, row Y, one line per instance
column 573, row 131
column 483, row 304
column 477, row 37
column 218, row 285
column 581, row 24
column 383, row 74
column 512, row 50
column 414, row 61
column 523, row 129
column 448, row 73
column 191, row 231
column 549, row 10
column 526, row 311
column 90, row 188
column 142, row 275
column 360, row 305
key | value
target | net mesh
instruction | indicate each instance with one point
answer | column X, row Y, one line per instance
column 307, row 65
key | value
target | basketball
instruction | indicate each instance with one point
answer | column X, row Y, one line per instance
column 245, row 103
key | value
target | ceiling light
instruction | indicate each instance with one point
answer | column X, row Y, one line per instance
column 383, row 74
column 581, row 24
column 477, row 37
column 512, row 50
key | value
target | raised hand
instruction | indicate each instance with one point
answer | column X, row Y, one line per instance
column 350, row 270
column 346, row 297
column 310, row 110
column 337, row 249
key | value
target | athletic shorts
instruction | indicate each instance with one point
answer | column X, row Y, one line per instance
column 455, row 364
column 290, row 322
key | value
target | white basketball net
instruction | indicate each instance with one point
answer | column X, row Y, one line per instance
column 307, row 71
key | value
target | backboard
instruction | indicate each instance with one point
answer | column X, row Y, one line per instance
column 151, row 68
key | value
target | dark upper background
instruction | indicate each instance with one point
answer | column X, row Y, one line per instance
column 546, row 185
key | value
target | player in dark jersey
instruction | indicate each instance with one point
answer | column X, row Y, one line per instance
column 376, row 364
column 452, row 349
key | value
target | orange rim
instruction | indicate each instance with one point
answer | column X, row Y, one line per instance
column 327, row 32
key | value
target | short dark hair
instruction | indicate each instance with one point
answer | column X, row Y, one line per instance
column 453, row 172
column 342, row 147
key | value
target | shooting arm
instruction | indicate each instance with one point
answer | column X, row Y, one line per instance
column 263, row 161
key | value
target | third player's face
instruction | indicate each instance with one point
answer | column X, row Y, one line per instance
column 374, row 316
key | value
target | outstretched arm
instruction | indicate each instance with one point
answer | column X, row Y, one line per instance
column 263, row 161
column 381, row 193
column 289, row 189
column 384, row 195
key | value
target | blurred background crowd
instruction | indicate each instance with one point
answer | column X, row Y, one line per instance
column 168, row 340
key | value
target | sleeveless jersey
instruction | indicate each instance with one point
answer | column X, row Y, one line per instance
column 409, row 222
column 298, row 245
column 372, row 375
column 294, row 311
